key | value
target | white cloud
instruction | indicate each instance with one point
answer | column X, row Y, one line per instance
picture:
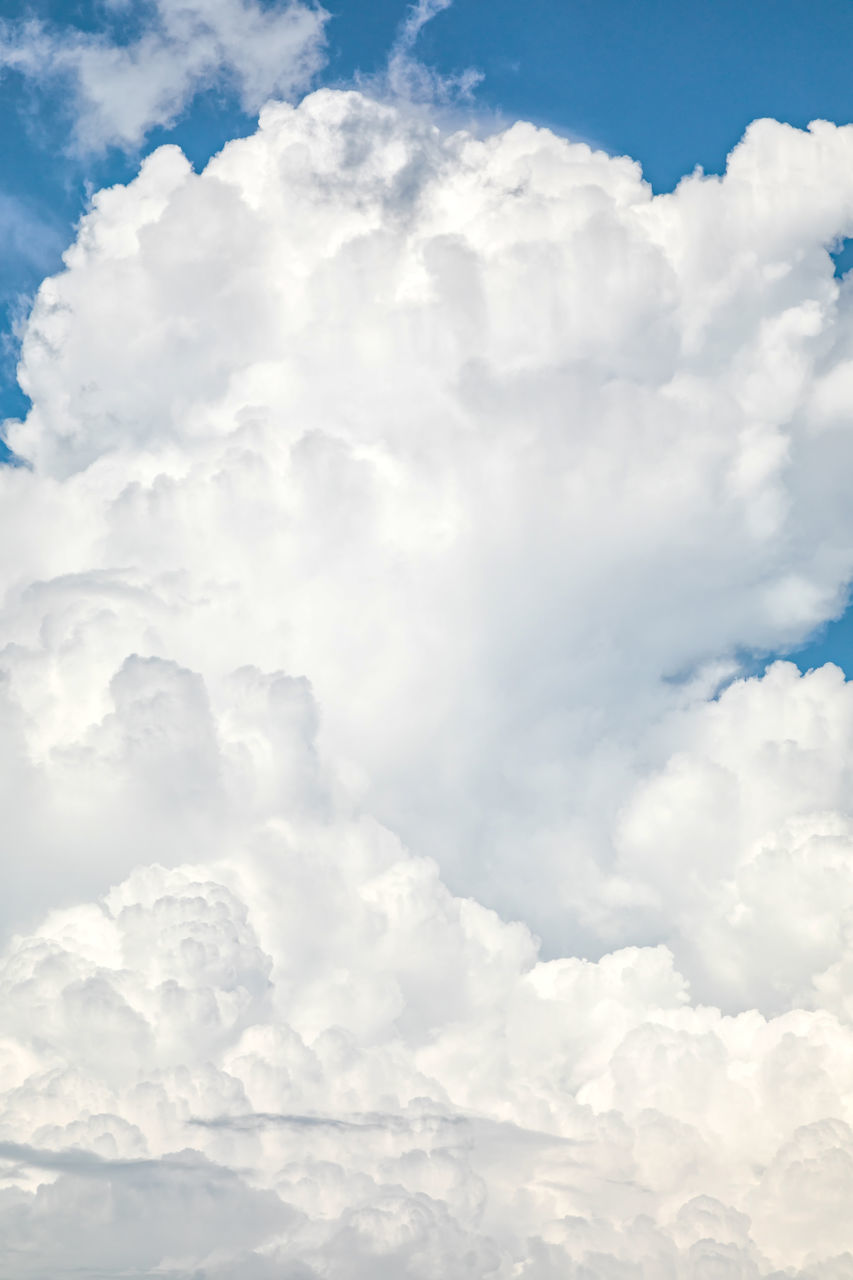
column 123, row 90
column 398, row 502
column 312, row 1052
column 578, row 434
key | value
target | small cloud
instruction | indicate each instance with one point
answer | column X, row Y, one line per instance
column 122, row 90
column 418, row 16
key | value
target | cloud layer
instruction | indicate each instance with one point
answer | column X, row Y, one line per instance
column 400, row 501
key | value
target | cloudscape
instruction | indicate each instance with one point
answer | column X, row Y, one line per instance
column 422, row 859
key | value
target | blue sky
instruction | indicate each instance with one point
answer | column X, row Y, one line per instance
column 671, row 84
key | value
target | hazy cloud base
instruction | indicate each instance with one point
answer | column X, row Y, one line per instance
column 398, row 500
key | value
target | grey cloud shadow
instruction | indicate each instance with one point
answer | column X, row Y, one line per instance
column 82, row 1163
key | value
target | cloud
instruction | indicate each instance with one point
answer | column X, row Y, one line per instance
column 756, row 802
column 398, row 503
column 121, row 89
column 580, row 435
column 553, row 1117
column 138, row 1211
column 417, row 18
column 407, row 79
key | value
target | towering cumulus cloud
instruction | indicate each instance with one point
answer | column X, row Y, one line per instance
column 399, row 502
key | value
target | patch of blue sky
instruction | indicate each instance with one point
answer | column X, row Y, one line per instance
column 669, row 83
column 843, row 257
column 831, row 642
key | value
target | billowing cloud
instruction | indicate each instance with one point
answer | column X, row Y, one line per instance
column 309, row 1058
column 121, row 89
column 589, row 443
column 399, row 504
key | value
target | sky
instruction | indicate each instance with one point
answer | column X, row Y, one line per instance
column 426, row 742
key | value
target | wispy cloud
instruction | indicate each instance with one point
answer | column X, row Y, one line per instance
column 408, row 77
column 26, row 235
column 418, row 16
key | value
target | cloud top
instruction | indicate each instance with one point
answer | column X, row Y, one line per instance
column 590, row 442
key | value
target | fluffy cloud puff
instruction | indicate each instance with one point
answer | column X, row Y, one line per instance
column 308, row 1058
column 398, row 503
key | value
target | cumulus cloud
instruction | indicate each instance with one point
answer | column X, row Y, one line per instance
column 399, row 502
column 402, row 1089
column 581, row 436
column 121, row 89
